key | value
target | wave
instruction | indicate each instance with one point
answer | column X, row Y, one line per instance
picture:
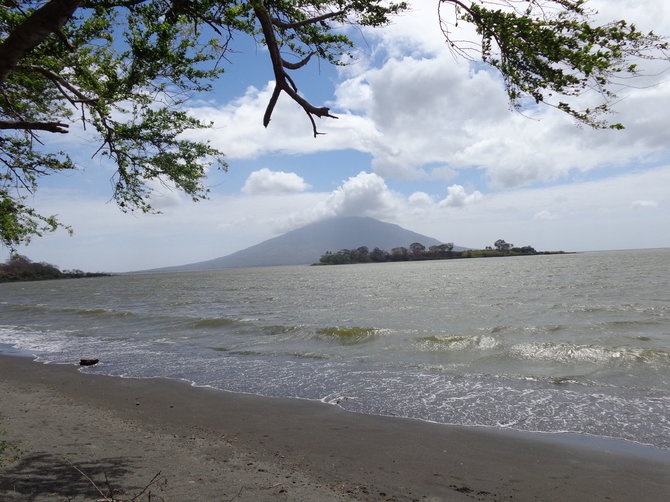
column 46, row 341
column 41, row 308
column 297, row 355
column 550, row 328
column 310, row 355
column 278, row 329
column 627, row 308
column 458, row 342
column 248, row 352
column 211, row 323
column 556, row 352
column 556, row 380
column 349, row 335
column 568, row 353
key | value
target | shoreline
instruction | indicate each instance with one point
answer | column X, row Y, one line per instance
column 217, row 445
column 591, row 441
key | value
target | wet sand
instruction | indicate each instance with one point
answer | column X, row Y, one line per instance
column 217, row 446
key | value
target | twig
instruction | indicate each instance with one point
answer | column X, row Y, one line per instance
column 153, row 481
column 236, row 495
column 110, row 496
column 104, row 497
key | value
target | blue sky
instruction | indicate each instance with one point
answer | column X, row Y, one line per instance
column 423, row 140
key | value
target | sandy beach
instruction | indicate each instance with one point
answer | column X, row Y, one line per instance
column 210, row 445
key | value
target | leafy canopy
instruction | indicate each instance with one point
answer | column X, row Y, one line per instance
column 549, row 51
column 124, row 68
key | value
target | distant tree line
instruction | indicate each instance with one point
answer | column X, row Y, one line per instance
column 417, row 251
column 20, row 268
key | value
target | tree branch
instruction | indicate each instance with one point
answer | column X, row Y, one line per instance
column 32, row 31
column 283, row 81
column 288, row 26
column 299, row 64
column 115, row 3
column 271, row 105
column 34, row 126
column 60, row 82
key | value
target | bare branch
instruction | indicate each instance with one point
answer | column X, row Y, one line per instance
column 118, row 3
column 288, row 26
column 271, row 105
column 34, row 126
column 290, row 82
column 283, row 81
column 154, row 481
column 322, row 111
column 299, row 64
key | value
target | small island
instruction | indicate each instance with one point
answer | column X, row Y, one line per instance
column 418, row 252
column 20, row 268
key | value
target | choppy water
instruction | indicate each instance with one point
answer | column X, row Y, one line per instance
column 577, row 343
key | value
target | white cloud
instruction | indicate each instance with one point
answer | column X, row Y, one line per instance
column 274, row 182
column 421, row 199
column 164, row 195
column 577, row 216
column 648, row 15
column 457, row 197
column 644, row 204
column 365, row 194
column 420, row 107
column 593, row 215
column 433, row 110
column 238, row 130
column 109, row 240
column 544, row 215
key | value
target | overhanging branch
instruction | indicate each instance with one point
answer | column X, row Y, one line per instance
column 283, row 81
column 61, row 83
column 299, row 64
column 289, row 26
column 28, row 125
column 32, row 31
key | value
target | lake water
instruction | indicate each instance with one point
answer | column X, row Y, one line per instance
column 575, row 342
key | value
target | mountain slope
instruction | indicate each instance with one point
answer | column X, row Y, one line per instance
column 305, row 245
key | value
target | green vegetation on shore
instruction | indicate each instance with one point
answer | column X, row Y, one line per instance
column 20, row 268
column 418, row 252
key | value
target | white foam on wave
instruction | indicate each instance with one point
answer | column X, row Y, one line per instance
column 30, row 340
column 568, row 353
column 459, row 343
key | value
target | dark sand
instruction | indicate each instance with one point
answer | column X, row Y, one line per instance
column 218, row 446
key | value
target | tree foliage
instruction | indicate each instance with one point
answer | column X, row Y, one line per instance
column 418, row 252
column 123, row 69
column 21, row 268
column 551, row 51
column 501, row 245
column 416, row 248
